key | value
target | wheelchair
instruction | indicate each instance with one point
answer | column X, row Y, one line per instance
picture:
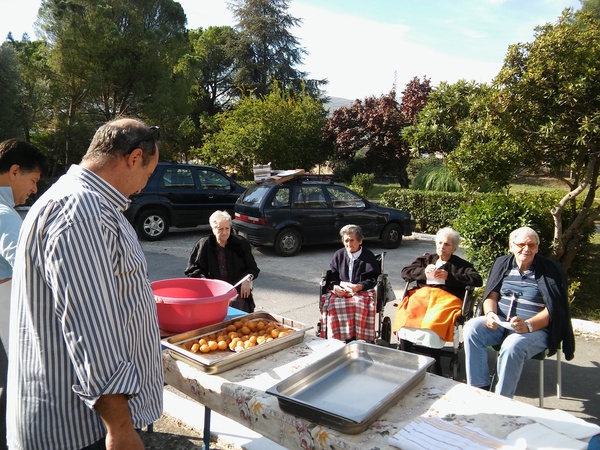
column 427, row 342
column 383, row 324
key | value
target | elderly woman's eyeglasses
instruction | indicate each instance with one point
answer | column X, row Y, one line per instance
column 153, row 134
column 522, row 245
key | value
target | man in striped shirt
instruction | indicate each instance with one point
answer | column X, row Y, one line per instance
column 85, row 366
column 526, row 310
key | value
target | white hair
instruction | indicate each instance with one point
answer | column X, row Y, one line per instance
column 218, row 217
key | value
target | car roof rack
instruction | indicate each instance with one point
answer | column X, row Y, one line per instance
column 314, row 177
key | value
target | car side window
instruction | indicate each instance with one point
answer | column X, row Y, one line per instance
column 213, row 181
column 310, row 197
column 281, row 198
column 344, row 198
column 177, row 178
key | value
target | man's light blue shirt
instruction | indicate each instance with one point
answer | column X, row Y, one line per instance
column 10, row 224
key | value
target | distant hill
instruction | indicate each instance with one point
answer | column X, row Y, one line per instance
column 337, row 102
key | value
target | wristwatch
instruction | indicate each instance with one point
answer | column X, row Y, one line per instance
column 529, row 327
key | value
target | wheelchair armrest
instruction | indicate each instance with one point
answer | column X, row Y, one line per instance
column 325, row 281
column 381, row 291
column 467, row 306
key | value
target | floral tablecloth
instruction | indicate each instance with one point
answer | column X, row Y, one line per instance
column 240, row 394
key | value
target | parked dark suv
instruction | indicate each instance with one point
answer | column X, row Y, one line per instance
column 306, row 211
column 180, row 195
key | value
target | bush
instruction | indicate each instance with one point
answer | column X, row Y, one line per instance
column 363, row 183
column 431, row 210
column 415, row 165
column 436, row 177
column 486, row 224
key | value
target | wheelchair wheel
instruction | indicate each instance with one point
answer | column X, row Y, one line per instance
column 386, row 330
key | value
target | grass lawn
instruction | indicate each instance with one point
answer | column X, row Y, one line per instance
column 586, row 304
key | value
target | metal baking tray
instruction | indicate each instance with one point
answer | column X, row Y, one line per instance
column 222, row 360
column 351, row 387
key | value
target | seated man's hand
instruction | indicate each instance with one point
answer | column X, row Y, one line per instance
column 492, row 320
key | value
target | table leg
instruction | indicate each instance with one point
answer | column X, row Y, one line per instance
column 206, row 428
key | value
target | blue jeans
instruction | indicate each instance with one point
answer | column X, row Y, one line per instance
column 516, row 348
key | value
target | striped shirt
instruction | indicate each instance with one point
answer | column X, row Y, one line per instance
column 520, row 295
column 83, row 318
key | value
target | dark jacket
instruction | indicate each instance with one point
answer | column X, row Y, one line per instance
column 365, row 271
column 552, row 283
column 203, row 263
column 461, row 273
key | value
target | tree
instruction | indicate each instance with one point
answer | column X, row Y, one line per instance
column 436, row 129
column 10, row 106
column 591, row 6
column 211, row 64
column 373, row 129
column 112, row 58
column 282, row 128
column 550, row 103
column 267, row 51
column 485, row 158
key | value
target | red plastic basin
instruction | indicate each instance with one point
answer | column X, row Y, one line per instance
column 188, row 303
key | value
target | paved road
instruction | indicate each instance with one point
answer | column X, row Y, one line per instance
column 289, row 287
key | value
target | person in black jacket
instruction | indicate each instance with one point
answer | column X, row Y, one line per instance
column 525, row 310
column 348, row 307
column 426, row 316
column 225, row 257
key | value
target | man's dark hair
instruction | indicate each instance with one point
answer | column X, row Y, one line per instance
column 26, row 155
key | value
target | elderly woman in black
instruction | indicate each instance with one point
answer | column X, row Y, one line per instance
column 427, row 314
column 348, row 308
column 225, row 257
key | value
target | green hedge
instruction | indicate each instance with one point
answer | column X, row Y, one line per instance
column 432, row 210
column 484, row 220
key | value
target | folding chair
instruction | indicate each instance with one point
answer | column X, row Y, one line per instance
column 541, row 356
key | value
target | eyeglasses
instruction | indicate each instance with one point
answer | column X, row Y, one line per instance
column 522, row 245
column 152, row 135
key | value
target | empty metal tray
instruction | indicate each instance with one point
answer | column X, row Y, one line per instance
column 351, row 387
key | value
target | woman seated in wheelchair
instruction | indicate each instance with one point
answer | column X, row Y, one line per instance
column 436, row 302
column 348, row 304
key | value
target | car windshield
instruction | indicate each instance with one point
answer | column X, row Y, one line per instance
column 254, row 194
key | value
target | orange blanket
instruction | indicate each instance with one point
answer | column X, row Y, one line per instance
column 429, row 307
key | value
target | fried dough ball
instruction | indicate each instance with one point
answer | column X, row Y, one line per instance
column 242, row 334
column 274, row 333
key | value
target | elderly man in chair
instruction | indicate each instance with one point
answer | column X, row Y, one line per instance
column 525, row 310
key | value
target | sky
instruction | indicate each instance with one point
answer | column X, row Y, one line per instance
column 367, row 47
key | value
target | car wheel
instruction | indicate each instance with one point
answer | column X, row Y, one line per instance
column 392, row 235
column 288, row 242
column 152, row 225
